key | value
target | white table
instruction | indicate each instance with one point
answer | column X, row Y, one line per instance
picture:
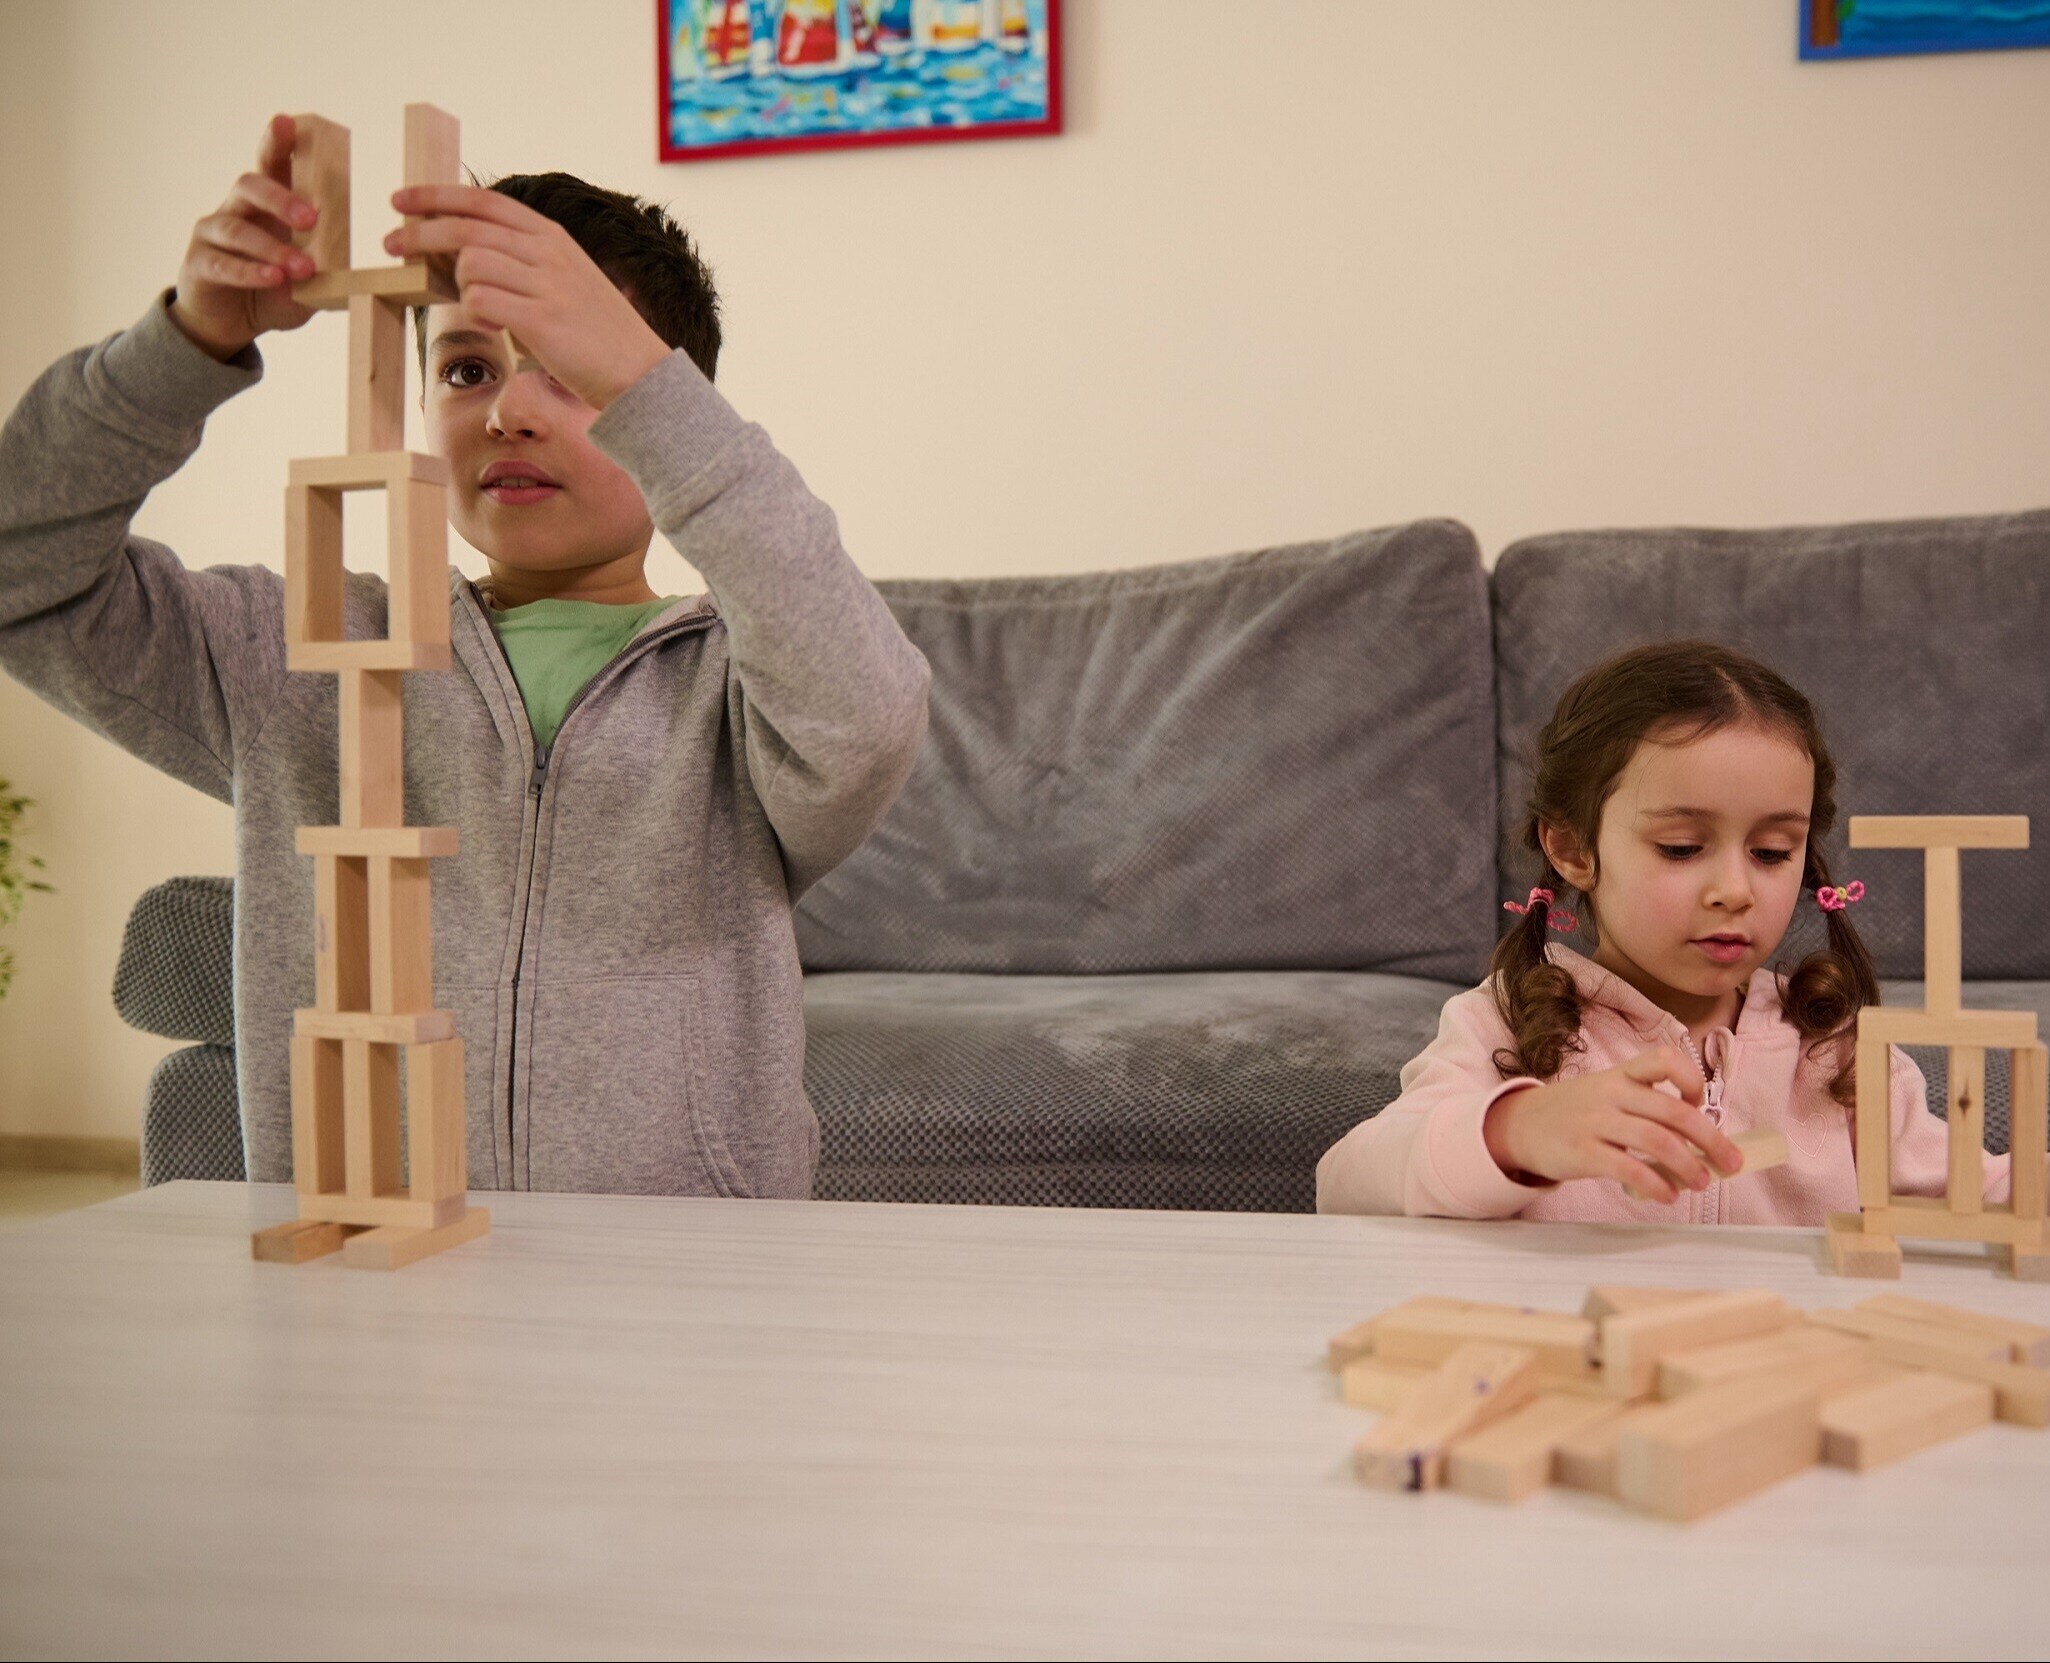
column 625, row 1427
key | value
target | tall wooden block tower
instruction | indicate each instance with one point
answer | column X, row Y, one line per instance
column 372, row 951
column 1863, row 1243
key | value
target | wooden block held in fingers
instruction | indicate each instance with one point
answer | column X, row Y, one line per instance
column 316, row 1116
column 393, row 1248
column 418, row 562
column 1564, row 1344
column 1966, row 1089
column 373, row 748
column 341, row 933
column 320, row 173
column 435, row 1127
column 1610, row 1300
column 433, row 145
column 1855, row 1251
column 1928, row 831
column 1882, row 1423
column 401, row 941
column 1762, row 1149
column 1865, row 1324
column 1819, row 1355
column 1478, row 1383
column 377, row 375
column 370, row 1120
column 1374, row 1383
column 1716, row 1446
column 296, row 1241
column 2027, row 1130
column 1512, row 1457
column 414, row 284
column 2028, row 1342
column 1633, row 1343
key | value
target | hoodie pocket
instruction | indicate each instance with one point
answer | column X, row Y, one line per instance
column 616, row 1090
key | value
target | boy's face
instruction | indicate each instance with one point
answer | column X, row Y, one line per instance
column 527, row 489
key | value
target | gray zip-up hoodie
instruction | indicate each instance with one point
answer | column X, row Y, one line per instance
column 614, row 937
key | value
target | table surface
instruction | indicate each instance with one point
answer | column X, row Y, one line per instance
column 623, row 1426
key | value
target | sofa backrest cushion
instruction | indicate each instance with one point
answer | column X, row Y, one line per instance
column 176, row 974
column 1276, row 759
column 1924, row 646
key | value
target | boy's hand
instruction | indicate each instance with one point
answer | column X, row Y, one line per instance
column 519, row 270
column 1614, row 1125
column 236, row 280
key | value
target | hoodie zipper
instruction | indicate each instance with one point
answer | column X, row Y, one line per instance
column 1712, row 1106
column 537, row 782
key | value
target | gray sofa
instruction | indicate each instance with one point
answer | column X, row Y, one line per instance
column 1194, row 853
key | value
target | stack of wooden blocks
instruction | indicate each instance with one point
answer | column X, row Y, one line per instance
column 373, row 953
column 1674, row 1402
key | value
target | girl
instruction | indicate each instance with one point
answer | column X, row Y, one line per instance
column 1681, row 790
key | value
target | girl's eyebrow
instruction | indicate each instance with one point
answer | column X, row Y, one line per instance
column 1786, row 816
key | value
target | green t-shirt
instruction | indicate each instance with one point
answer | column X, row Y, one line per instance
column 556, row 647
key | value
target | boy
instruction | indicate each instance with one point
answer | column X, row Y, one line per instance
column 643, row 785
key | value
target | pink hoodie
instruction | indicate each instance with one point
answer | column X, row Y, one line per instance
column 1424, row 1154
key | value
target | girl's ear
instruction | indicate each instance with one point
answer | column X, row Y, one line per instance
column 1570, row 858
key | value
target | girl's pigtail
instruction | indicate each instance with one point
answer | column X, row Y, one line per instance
column 1536, row 997
column 1829, row 988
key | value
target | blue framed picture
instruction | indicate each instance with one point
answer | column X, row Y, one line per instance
column 1892, row 28
column 738, row 77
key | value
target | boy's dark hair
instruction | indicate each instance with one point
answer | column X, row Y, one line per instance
column 648, row 256
column 1677, row 690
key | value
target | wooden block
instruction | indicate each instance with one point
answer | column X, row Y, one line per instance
column 1921, row 1216
column 1477, row 1384
column 1865, row 1324
column 393, row 1248
column 1610, row 1300
column 1372, row 1383
column 1985, row 1030
column 1762, row 1149
column 2021, row 1394
column 313, row 567
column 320, row 173
column 1820, row 1355
column 382, row 470
column 316, row 1116
column 2027, row 1342
column 370, row 1120
column 377, row 375
column 1872, row 1122
column 390, row 842
column 418, row 283
column 418, row 562
column 295, row 1242
column 1509, row 1459
column 372, row 749
column 1966, row 1089
column 401, row 937
column 374, row 1211
column 366, row 655
column 435, row 1127
column 376, row 1028
column 1931, row 831
column 2028, row 1112
column 1716, row 1446
column 1942, row 937
column 1855, row 1251
column 433, row 148
column 1358, row 1340
column 341, row 933
column 1586, row 1459
column 2028, row 1262
column 1882, row 1423
column 1632, row 1343
column 1564, row 1344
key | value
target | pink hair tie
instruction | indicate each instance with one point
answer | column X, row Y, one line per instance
column 1554, row 918
column 1836, row 898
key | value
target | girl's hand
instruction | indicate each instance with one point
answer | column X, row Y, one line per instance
column 1614, row 1125
column 236, row 279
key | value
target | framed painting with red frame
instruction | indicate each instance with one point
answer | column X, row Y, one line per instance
column 750, row 77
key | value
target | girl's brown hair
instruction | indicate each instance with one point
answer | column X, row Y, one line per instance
column 1678, row 690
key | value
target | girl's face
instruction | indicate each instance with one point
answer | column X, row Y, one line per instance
column 1700, row 853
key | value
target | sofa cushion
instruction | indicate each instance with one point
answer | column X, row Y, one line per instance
column 1921, row 644
column 191, row 1122
column 175, row 976
column 1279, row 759
column 1205, row 1090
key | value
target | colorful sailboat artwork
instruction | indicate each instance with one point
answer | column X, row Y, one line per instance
column 749, row 75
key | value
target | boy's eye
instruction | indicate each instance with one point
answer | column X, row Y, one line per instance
column 464, row 373
column 1677, row 851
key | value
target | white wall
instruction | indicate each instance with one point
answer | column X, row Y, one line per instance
column 1296, row 267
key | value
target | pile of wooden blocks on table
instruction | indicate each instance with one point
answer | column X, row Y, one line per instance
column 1674, row 1402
